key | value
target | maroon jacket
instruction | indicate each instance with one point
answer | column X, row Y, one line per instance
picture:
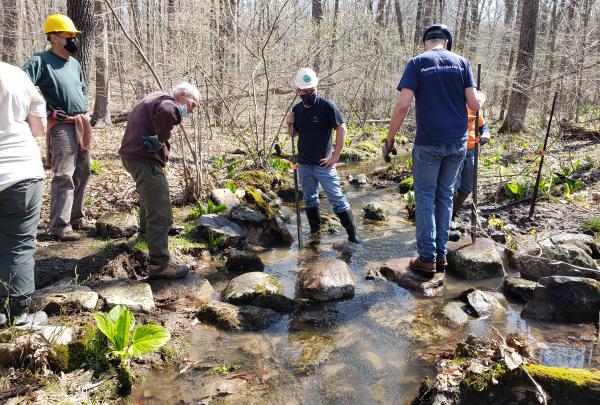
column 156, row 114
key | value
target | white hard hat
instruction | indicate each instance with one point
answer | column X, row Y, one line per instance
column 306, row 78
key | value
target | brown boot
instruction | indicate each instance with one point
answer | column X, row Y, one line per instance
column 169, row 271
column 418, row 264
column 83, row 225
column 457, row 203
column 67, row 235
column 441, row 265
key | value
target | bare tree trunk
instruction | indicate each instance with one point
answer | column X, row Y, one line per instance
column 586, row 8
column 11, row 31
column 101, row 109
column 399, row 22
column 511, row 60
column 549, row 62
column 462, row 31
column 82, row 14
column 317, row 18
column 418, row 25
column 380, row 11
column 520, row 94
column 473, row 28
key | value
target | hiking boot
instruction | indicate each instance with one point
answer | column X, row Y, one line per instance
column 67, row 235
column 457, row 203
column 314, row 219
column 347, row 220
column 425, row 267
column 441, row 265
column 16, row 313
column 83, row 225
column 168, row 271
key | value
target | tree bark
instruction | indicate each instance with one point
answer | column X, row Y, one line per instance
column 473, row 28
column 11, row 31
column 101, row 104
column 380, row 11
column 82, row 14
column 520, row 94
column 399, row 22
column 317, row 18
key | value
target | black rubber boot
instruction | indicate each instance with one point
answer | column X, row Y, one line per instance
column 16, row 313
column 314, row 219
column 457, row 203
column 347, row 220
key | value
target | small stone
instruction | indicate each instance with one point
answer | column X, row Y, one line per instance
column 230, row 317
column 374, row 212
column 476, row 261
column 454, row 236
column 226, row 197
column 116, row 225
column 242, row 214
column 64, row 296
column 519, row 288
column 135, row 295
column 454, row 312
column 327, row 280
column 244, row 288
column 241, row 262
column 359, row 180
column 483, row 303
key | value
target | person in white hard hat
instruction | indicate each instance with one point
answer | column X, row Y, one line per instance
column 314, row 120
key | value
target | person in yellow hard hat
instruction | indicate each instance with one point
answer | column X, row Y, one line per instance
column 60, row 79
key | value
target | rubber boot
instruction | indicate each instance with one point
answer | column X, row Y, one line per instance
column 457, row 203
column 314, row 219
column 347, row 220
column 16, row 313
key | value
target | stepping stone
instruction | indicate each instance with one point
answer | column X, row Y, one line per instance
column 399, row 272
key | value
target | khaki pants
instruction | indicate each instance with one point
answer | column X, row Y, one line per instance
column 71, row 168
column 156, row 216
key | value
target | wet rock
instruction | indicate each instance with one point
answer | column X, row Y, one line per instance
column 271, row 233
column 569, row 299
column 398, row 271
column 244, row 288
column 64, row 296
column 284, row 233
column 241, row 261
column 213, row 224
column 135, row 295
column 276, row 302
column 359, row 180
column 185, row 294
column 230, row 317
column 476, row 261
column 454, row 313
column 374, row 212
column 348, row 248
column 115, row 225
column 287, row 194
column 330, row 224
column 372, row 359
column 519, row 288
column 226, row 197
column 483, row 303
column 454, row 236
column 327, row 280
column 309, row 350
column 569, row 253
column 578, row 239
column 221, row 388
column 533, row 265
column 242, row 214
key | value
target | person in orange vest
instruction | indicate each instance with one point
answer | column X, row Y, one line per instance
column 464, row 181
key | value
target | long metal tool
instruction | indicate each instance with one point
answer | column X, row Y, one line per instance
column 543, row 154
column 296, row 195
column 475, row 167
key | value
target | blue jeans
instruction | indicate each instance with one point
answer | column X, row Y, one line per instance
column 435, row 168
column 310, row 176
column 464, row 181
column 20, row 206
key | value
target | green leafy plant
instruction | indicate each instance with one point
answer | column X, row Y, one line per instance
column 231, row 186
column 592, row 225
column 411, row 201
column 95, row 167
column 126, row 341
column 209, row 208
column 406, row 185
column 281, row 165
column 516, row 190
column 215, row 242
column 220, row 162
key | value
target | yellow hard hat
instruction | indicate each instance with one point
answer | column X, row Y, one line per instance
column 59, row 23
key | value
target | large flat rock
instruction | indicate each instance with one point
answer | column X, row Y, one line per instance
column 327, row 280
column 399, row 272
column 64, row 297
column 184, row 294
column 135, row 295
column 475, row 261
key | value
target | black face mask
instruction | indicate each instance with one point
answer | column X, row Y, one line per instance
column 72, row 44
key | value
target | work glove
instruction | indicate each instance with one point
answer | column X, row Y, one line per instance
column 387, row 149
column 152, row 144
column 485, row 138
column 57, row 114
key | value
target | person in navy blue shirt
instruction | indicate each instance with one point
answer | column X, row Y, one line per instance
column 314, row 119
column 442, row 84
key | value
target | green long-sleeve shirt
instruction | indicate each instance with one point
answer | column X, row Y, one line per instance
column 61, row 81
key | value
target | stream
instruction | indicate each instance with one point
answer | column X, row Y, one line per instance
column 372, row 348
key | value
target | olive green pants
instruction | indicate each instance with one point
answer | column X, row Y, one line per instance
column 156, row 216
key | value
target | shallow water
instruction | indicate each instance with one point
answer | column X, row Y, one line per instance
column 374, row 348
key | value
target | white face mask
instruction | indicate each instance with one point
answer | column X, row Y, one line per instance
column 183, row 110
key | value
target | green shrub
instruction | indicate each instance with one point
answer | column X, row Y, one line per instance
column 592, row 225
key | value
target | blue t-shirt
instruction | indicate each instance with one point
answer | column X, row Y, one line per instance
column 439, row 78
column 314, row 126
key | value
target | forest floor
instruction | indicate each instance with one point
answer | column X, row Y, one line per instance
column 569, row 199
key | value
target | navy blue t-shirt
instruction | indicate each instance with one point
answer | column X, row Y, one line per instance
column 314, row 126
column 439, row 78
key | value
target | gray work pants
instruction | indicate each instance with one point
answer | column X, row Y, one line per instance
column 20, row 206
column 156, row 215
column 71, row 168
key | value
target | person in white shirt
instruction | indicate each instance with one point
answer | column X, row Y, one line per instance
column 23, row 113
